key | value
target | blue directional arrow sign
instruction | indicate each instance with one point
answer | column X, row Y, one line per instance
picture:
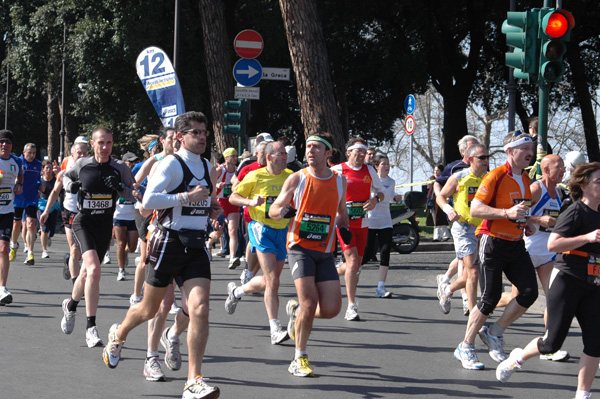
column 409, row 104
column 247, row 72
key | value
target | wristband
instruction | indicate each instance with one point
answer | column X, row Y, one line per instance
column 447, row 208
column 378, row 198
column 505, row 214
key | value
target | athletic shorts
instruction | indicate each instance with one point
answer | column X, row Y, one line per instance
column 227, row 207
column 465, row 242
column 359, row 239
column 130, row 224
column 541, row 260
column 142, row 224
column 6, row 226
column 168, row 258
column 92, row 233
column 30, row 212
column 50, row 226
column 267, row 239
column 309, row 263
column 67, row 218
column 246, row 216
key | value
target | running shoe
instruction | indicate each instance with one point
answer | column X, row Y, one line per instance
column 68, row 321
column 221, row 254
column 91, row 337
column 468, row 357
column 45, row 255
column 234, row 262
column 112, row 351
column 279, row 335
column 558, row 356
column 49, row 241
column 508, row 366
column 173, row 356
column 29, row 260
column 382, row 293
column 231, row 301
column 291, row 309
column 466, row 309
column 198, row 389
column 121, row 275
column 244, row 278
column 135, row 299
column 494, row 344
column 152, row 370
column 12, row 254
column 445, row 299
column 174, row 308
column 301, row 367
column 106, row 259
column 136, row 261
column 440, row 278
column 5, row 297
column 66, row 270
column 352, row 312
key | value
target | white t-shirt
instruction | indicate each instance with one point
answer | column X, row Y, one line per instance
column 380, row 217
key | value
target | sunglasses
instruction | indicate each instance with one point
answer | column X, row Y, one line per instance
column 5, row 142
column 196, row 132
column 482, row 157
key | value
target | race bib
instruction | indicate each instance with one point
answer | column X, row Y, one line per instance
column 97, row 202
column 314, row 227
column 268, row 202
column 124, row 201
column 6, row 195
column 593, row 269
column 198, row 208
column 471, row 194
column 550, row 212
column 227, row 190
column 527, row 202
column 355, row 210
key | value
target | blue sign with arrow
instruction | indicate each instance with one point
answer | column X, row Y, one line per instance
column 247, row 72
column 409, row 104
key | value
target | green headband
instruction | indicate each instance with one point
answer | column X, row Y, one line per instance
column 320, row 140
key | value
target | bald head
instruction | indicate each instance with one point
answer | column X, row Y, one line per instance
column 550, row 159
column 553, row 169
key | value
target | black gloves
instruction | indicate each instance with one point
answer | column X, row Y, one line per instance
column 345, row 234
column 287, row 212
column 75, row 186
column 113, row 182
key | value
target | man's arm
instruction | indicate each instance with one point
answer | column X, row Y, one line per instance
column 441, row 199
column 145, row 170
column 341, row 219
column 284, row 198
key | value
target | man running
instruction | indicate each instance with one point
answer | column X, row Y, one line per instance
column 224, row 191
column 98, row 181
column 182, row 191
column 311, row 242
column 362, row 182
column 502, row 200
column 11, row 184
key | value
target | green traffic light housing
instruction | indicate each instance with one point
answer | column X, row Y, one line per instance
column 235, row 117
column 521, row 29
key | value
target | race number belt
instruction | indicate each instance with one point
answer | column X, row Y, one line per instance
column 356, row 210
column 593, row 265
column 314, row 227
column 6, row 195
column 97, row 202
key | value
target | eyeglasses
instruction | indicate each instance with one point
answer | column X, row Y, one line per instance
column 482, row 157
column 196, row 132
column 7, row 142
column 281, row 154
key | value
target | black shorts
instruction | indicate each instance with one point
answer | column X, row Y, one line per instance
column 6, row 226
column 309, row 263
column 67, row 218
column 130, row 224
column 50, row 225
column 30, row 212
column 142, row 224
column 92, row 233
column 168, row 258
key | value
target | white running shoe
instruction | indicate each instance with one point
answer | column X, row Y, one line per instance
column 106, row 259
column 231, row 301
column 121, row 275
column 91, row 337
column 494, row 343
column 198, row 389
column 234, row 262
column 445, row 300
column 174, row 308
column 352, row 312
column 291, row 308
column 172, row 355
column 244, row 276
column 68, row 321
column 508, row 366
column 558, row 356
column 466, row 309
column 468, row 357
column 112, row 351
column 382, row 293
column 280, row 335
column 45, row 255
column 5, row 297
column 152, row 370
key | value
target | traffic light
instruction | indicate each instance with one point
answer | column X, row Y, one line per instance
column 554, row 30
column 521, row 28
column 235, row 117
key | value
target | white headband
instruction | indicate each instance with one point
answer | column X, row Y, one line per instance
column 357, row 146
column 519, row 142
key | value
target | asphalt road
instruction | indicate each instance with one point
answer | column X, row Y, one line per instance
column 402, row 347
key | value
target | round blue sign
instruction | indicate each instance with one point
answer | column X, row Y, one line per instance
column 247, row 72
column 409, row 104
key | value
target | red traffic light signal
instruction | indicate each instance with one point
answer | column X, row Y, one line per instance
column 557, row 23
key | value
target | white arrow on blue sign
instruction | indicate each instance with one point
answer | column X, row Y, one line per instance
column 247, row 72
column 409, row 104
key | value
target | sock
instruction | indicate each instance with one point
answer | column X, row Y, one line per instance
column 150, row 354
column 91, row 321
column 448, row 291
column 238, row 292
column 582, row 395
column 381, row 285
column 299, row 353
column 29, row 252
column 72, row 305
column 465, row 345
column 13, row 245
column 495, row 330
column 171, row 336
column 274, row 324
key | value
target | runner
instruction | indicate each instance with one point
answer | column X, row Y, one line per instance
column 177, row 248
column 49, row 226
column 311, row 242
column 11, row 184
column 98, row 181
column 224, row 189
column 362, row 182
column 502, row 200
column 574, row 288
column 257, row 192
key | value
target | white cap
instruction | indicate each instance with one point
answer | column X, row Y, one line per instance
column 81, row 139
column 291, row 153
column 574, row 159
column 264, row 137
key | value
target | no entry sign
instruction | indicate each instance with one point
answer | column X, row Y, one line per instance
column 248, row 44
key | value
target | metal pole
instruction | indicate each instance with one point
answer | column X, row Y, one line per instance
column 411, row 157
column 62, row 113
column 6, row 98
column 512, row 88
column 176, row 36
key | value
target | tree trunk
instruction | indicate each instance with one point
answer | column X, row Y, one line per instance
column 218, row 66
column 53, row 121
column 318, row 110
column 580, row 80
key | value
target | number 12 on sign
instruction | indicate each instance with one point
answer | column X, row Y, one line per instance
column 409, row 124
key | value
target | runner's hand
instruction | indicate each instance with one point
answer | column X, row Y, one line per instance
column 346, row 235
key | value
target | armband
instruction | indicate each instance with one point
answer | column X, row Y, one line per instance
column 447, row 208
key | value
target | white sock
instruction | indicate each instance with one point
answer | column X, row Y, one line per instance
column 171, row 335
column 238, row 292
column 274, row 324
column 299, row 353
column 582, row 395
column 29, row 252
column 381, row 285
column 150, row 353
column 13, row 245
column 448, row 291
